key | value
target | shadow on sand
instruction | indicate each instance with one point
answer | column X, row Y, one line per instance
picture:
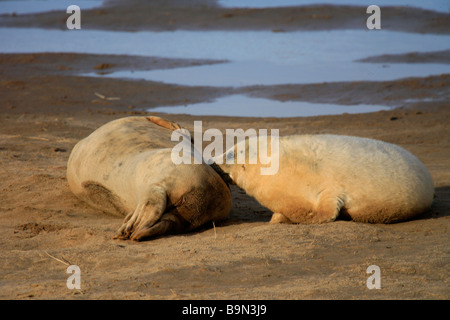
column 246, row 209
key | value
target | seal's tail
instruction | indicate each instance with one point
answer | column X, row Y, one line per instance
column 173, row 126
column 164, row 123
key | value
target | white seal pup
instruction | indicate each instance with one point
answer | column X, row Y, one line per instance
column 125, row 167
column 320, row 177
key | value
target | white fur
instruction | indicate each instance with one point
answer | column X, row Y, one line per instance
column 322, row 176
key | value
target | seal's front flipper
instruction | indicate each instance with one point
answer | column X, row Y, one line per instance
column 147, row 213
column 169, row 224
column 279, row 218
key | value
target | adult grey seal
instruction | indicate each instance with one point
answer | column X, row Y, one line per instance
column 125, row 168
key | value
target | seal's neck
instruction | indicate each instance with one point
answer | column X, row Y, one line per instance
column 225, row 176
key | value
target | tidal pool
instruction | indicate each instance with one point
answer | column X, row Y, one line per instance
column 253, row 58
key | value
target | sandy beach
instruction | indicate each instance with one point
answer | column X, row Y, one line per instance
column 46, row 107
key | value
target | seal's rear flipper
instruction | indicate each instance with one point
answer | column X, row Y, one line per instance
column 146, row 215
column 170, row 125
column 164, row 123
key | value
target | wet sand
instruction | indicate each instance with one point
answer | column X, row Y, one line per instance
column 45, row 109
column 135, row 15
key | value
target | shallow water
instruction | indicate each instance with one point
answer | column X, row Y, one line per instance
column 254, row 58
column 236, row 74
column 267, row 58
column 243, row 106
column 284, row 48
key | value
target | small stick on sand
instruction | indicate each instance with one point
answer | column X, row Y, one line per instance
column 101, row 96
column 59, row 260
column 39, row 138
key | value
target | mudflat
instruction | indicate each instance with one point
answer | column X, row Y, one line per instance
column 46, row 108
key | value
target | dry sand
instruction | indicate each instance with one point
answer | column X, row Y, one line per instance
column 45, row 109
